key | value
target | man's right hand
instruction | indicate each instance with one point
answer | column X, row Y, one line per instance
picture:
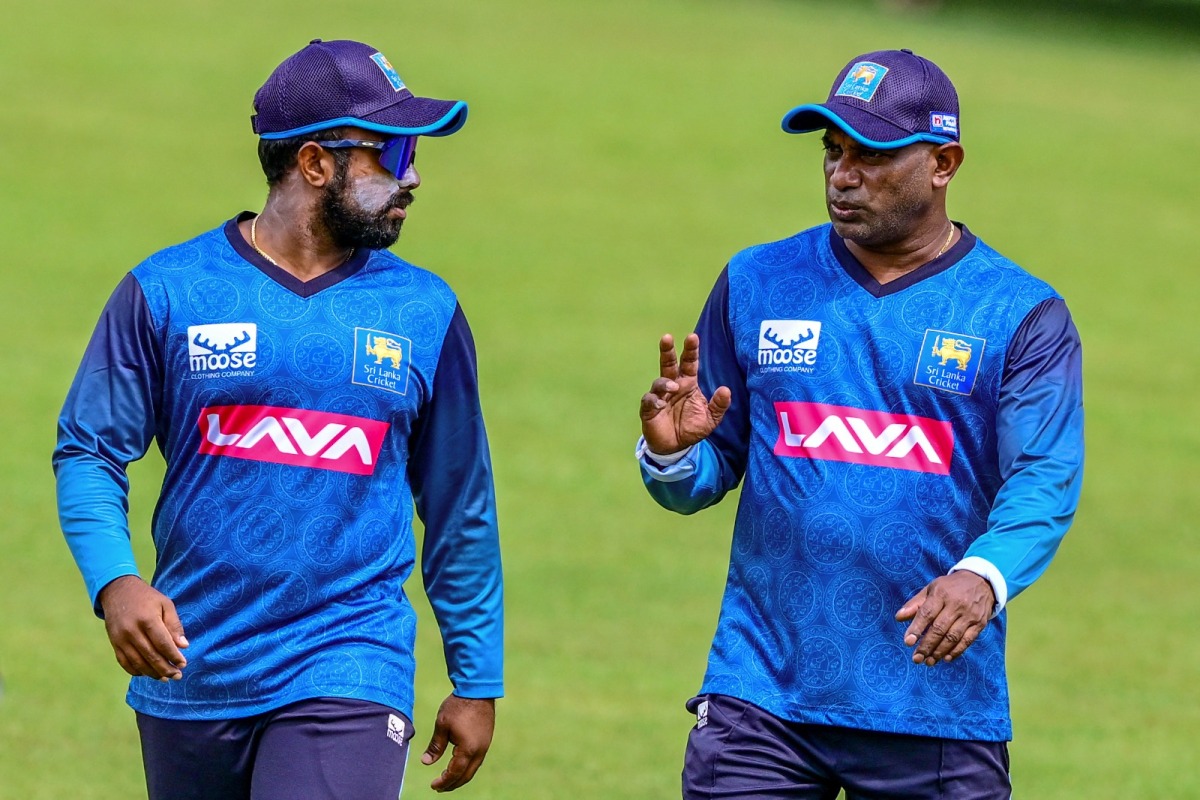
column 144, row 629
column 675, row 414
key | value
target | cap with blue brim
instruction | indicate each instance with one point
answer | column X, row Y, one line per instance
column 346, row 83
column 885, row 100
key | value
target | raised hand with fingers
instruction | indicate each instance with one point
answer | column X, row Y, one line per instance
column 675, row 413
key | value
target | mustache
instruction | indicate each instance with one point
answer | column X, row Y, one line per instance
column 402, row 199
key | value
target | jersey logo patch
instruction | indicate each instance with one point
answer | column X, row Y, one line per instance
column 294, row 436
column 949, row 361
column 788, row 343
column 223, row 349
column 381, row 360
column 857, row 436
column 862, row 81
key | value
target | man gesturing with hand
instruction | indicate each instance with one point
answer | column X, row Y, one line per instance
column 904, row 406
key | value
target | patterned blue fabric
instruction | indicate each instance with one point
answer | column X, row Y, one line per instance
column 286, row 545
column 837, row 529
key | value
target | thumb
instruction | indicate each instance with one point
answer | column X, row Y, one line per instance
column 909, row 609
column 437, row 745
column 174, row 624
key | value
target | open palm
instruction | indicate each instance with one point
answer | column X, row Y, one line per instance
column 675, row 413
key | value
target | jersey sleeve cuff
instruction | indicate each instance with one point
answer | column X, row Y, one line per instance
column 479, row 690
column 986, row 570
column 664, row 466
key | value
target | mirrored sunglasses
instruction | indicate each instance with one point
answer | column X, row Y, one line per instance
column 395, row 154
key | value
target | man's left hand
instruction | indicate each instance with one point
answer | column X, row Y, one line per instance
column 947, row 616
column 468, row 725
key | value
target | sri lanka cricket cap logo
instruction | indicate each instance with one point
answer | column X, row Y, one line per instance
column 862, row 81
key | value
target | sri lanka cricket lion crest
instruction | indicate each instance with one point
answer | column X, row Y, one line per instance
column 948, row 349
column 383, row 347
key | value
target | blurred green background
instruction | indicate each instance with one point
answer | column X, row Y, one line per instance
column 617, row 154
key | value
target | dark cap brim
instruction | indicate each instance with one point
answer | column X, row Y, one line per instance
column 866, row 129
column 412, row 116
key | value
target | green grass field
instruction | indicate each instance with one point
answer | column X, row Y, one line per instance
column 617, row 154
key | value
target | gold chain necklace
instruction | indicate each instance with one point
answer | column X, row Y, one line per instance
column 257, row 249
column 945, row 247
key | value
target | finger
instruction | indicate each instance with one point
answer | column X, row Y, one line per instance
column 668, row 367
column 460, row 770
column 968, row 637
column 664, row 387
column 719, row 404
column 165, row 655
column 951, row 640
column 147, row 644
column 935, row 634
column 437, row 744
column 651, row 405
column 689, row 361
column 129, row 655
column 960, row 637
column 925, row 614
column 175, row 627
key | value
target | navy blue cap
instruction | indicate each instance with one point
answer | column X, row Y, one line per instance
column 885, row 100
column 331, row 84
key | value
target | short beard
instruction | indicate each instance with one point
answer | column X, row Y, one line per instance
column 350, row 225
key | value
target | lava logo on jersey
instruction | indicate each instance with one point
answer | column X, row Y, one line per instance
column 841, row 433
column 294, row 436
column 223, row 349
column 949, row 361
column 862, row 81
column 381, row 360
column 388, row 70
column 788, row 343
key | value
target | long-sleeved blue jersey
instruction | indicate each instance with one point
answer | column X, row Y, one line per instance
column 299, row 422
column 887, row 434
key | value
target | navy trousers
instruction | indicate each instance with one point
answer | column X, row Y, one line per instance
column 737, row 750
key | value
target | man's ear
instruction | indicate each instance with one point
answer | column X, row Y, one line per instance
column 315, row 164
column 948, row 158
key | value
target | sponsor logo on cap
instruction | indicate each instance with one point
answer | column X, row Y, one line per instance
column 862, row 81
column 388, row 70
column 944, row 123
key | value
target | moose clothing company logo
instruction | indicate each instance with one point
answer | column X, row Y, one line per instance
column 789, row 344
column 840, row 433
column 381, row 360
column 294, row 436
column 395, row 729
column 224, row 349
column 949, row 361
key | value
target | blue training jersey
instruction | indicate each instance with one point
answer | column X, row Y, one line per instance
column 886, row 434
column 299, row 422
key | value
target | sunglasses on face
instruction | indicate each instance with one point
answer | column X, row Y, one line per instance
column 395, row 154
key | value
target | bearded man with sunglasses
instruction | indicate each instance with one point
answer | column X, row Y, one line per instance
column 309, row 391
